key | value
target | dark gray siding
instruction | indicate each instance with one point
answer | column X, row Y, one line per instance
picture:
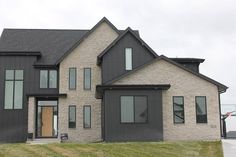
column 113, row 64
column 192, row 66
column 13, row 123
column 116, row 131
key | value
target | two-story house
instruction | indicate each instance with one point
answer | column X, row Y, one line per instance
column 101, row 84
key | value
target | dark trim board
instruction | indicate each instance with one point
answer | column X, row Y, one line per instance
column 101, row 88
column 46, row 95
column 187, row 60
column 20, row 53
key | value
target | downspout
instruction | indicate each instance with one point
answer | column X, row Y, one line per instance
column 220, row 112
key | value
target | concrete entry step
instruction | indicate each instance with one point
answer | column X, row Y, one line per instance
column 44, row 141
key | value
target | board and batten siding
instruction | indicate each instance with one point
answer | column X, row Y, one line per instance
column 152, row 130
column 14, row 122
column 113, row 62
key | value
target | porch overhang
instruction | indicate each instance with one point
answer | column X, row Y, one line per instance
column 101, row 88
column 47, row 95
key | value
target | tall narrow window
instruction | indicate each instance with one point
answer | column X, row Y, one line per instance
column 72, row 78
column 127, row 109
column 87, row 78
column 48, row 78
column 87, row 116
column 52, row 79
column 72, row 116
column 134, row 109
column 43, row 79
column 178, row 109
column 14, row 89
column 128, row 59
column 201, row 109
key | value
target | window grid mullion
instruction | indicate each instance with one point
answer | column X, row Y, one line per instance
column 13, row 105
column 134, row 108
column 48, row 79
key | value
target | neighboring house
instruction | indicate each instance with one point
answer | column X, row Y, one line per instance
column 101, row 84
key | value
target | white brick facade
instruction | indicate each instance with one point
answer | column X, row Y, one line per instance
column 184, row 84
column 85, row 55
column 31, row 115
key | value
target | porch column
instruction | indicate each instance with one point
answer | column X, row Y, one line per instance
column 31, row 116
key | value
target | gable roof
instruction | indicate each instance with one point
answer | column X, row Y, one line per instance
column 50, row 43
column 128, row 30
column 104, row 19
column 53, row 44
column 222, row 88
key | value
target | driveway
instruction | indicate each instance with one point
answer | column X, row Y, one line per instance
column 229, row 147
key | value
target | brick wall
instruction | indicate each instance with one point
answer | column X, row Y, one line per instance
column 85, row 55
column 184, row 84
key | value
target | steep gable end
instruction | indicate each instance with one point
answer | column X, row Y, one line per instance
column 121, row 36
column 114, row 57
column 162, row 71
column 102, row 21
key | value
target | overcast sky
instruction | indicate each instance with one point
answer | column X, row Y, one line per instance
column 175, row 28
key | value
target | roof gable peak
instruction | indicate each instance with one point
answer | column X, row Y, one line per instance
column 104, row 19
column 127, row 30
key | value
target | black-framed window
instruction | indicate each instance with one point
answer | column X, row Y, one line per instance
column 48, row 78
column 87, row 116
column 87, row 78
column 128, row 59
column 13, row 89
column 201, row 109
column 178, row 109
column 72, row 78
column 72, row 116
column 134, row 109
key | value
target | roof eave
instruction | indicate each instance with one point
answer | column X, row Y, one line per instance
column 20, row 53
column 101, row 88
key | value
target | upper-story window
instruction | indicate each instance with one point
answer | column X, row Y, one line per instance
column 72, row 78
column 87, row 78
column 128, row 59
column 48, row 78
column 14, row 89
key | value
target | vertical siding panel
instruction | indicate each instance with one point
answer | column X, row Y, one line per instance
column 113, row 64
column 13, row 123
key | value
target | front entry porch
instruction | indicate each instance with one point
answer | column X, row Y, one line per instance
column 46, row 119
column 42, row 118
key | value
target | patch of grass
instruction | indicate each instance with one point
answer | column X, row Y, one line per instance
column 129, row 149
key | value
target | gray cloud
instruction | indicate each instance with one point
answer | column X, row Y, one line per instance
column 183, row 28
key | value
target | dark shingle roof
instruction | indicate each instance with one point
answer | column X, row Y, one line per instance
column 51, row 43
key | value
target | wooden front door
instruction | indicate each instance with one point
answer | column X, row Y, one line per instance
column 47, row 121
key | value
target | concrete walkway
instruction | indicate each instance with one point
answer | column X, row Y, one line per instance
column 229, row 147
